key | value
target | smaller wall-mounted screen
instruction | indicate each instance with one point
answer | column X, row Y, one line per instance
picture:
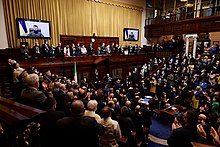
column 131, row 34
column 28, row 28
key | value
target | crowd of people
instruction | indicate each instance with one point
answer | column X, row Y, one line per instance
column 46, row 50
column 119, row 119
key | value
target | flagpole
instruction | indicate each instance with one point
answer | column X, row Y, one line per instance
column 75, row 72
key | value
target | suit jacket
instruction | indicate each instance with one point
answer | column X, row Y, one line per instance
column 78, row 131
column 59, row 51
column 36, row 51
column 32, row 97
column 45, row 49
column 60, row 96
column 48, row 127
column 182, row 137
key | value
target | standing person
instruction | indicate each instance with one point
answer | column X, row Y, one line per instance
column 183, row 136
column 127, row 128
column 90, row 49
column 36, row 50
column 92, row 107
column 67, row 51
column 78, row 50
column 178, row 13
column 153, row 83
column 59, row 51
column 72, row 50
column 24, row 52
column 83, row 50
column 45, row 49
column 147, row 122
column 78, row 130
column 112, row 131
column 31, row 96
column 47, row 122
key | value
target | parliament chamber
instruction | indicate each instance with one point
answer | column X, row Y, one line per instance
column 117, row 73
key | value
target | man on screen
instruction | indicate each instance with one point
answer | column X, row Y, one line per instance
column 131, row 36
column 35, row 32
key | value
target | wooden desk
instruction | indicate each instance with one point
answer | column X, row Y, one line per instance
column 170, row 111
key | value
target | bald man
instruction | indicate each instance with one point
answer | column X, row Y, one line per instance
column 78, row 130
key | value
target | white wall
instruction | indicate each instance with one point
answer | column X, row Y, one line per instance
column 3, row 37
column 143, row 39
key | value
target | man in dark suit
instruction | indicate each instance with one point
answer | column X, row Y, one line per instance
column 90, row 49
column 59, row 51
column 47, row 122
column 24, row 52
column 78, row 130
column 183, row 136
column 31, row 95
column 45, row 49
column 36, row 50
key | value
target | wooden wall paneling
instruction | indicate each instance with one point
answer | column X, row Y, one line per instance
column 86, row 40
column 188, row 26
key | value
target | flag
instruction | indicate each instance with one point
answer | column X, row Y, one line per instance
column 75, row 73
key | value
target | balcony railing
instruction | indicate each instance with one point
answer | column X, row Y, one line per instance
column 173, row 17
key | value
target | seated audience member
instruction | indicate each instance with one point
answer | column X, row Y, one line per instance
column 112, row 131
column 36, row 50
column 24, row 52
column 183, row 136
column 78, row 130
column 30, row 95
column 92, row 107
column 48, row 123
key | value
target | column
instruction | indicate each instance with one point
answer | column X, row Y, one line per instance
column 198, row 8
column 187, row 45
column 194, row 47
column 174, row 5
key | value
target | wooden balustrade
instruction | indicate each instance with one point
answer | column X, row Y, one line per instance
column 15, row 118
